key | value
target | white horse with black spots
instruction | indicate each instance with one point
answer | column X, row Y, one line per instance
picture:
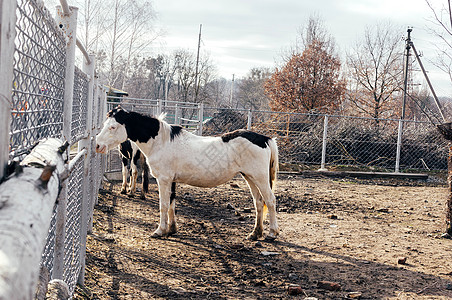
column 175, row 156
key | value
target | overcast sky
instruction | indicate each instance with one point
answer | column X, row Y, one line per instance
column 239, row 34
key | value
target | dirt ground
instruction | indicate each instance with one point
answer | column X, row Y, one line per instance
column 347, row 231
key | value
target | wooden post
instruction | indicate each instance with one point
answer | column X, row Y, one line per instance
column 7, row 35
column 88, row 183
column 449, row 200
column 446, row 131
column 68, row 23
column 26, row 201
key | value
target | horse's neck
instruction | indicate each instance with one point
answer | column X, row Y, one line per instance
column 152, row 146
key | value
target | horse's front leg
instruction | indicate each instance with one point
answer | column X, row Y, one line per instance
column 164, row 196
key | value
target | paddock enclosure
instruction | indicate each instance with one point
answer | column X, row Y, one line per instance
column 348, row 231
column 342, row 230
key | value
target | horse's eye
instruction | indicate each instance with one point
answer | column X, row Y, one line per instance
column 112, row 127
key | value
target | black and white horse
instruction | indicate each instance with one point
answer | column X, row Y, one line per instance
column 133, row 158
column 178, row 156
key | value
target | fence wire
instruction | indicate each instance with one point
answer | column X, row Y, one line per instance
column 48, row 253
column 79, row 105
column 38, row 78
column 72, row 245
column 350, row 141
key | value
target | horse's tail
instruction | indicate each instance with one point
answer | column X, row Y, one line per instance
column 274, row 163
column 273, row 169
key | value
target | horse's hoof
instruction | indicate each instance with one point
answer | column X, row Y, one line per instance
column 156, row 235
column 131, row 195
column 270, row 238
column 253, row 236
column 142, row 197
column 123, row 192
column 272, row 235
column 172, row 229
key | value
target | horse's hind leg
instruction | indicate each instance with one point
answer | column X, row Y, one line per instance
column 124, row 175
column 172, row 211
column 145, row 180
column 258, row 230
column 133, row 179
column 263, row 184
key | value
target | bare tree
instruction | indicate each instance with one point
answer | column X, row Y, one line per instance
column 251, row 91
column 442, row 28
column 119, row 31
column 218, row 91
column 375, row 68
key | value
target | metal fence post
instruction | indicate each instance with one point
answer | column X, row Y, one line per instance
column 250, row 119
column 324, row 141
column 176, row 115
column 200, row 117
column 67, row 23
column 88, row 182
column 399, row 146
column 159, row 107
column 7, row 36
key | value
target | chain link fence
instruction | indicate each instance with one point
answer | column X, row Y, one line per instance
column 314, row 140
column 38, row 77
column 323, row 141
column 39, row 90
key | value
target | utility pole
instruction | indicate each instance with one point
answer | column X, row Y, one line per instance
column 197, row 64
column 407, row 63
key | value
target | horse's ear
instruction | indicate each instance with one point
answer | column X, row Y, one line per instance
column 121, row 116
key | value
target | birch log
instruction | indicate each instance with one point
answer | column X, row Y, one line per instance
column 27, row 198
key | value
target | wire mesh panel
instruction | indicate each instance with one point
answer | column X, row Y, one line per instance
column 299, row 136
column 221, row 120
column 361, row 142
column 48, row 253
column 144, row 106
column 423, row 147
column 38, row 82
column 79, row 105
column 350, row 141
column 73, row 226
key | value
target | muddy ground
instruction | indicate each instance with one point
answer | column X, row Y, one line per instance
column 348, row 231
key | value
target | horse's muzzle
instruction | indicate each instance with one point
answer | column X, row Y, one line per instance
column 101, row 149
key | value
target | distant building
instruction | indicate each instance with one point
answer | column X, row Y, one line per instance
column 115, row 95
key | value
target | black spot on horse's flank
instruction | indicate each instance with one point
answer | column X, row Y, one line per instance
column 136, row 158
column 126, row 149
column 255, row 138
column 175, row 131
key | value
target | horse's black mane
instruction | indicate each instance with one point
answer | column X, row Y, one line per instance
column 139, row 127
